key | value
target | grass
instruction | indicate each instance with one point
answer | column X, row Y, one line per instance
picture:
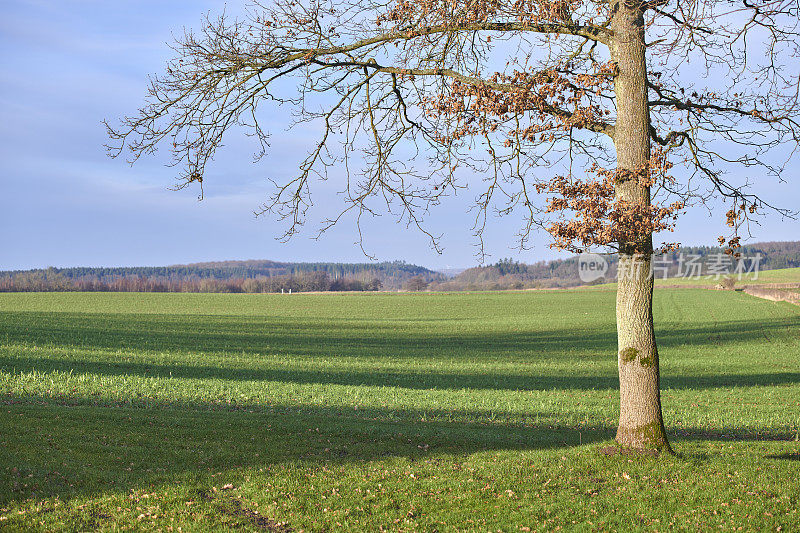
column 480, row 411
column 781, row 275
column 764, row 277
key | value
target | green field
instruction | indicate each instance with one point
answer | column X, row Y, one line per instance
column 480, row 411
column 764, row 277
column 781, row 275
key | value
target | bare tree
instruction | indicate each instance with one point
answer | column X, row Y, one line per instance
column 599, row 121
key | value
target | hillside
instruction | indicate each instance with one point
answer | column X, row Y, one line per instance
column 221, row 276
column 508, row 274
column 275, row 276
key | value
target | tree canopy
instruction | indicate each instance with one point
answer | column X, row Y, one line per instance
column 430, row 94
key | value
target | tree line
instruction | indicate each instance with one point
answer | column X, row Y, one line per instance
column 50, row 280
column 509, row 274
column 227, row 276
column 270, row 276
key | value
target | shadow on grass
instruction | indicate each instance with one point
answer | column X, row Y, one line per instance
column 69, row 448
column 64, row 447
column 786, row 456
column 261, row 339
column 342, row 337
column 422, row 380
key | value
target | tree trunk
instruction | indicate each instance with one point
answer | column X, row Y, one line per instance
column 641, row 425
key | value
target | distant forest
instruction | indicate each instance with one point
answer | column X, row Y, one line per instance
column 222, row 276
column 509, row 274
column 271, row 276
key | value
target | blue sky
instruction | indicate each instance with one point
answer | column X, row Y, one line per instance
column 67, row 65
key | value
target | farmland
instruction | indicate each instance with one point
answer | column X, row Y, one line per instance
column 789, row 277
column 472, row 411
column 764, row 277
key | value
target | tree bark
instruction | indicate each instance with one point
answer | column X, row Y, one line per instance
column 641, row 425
